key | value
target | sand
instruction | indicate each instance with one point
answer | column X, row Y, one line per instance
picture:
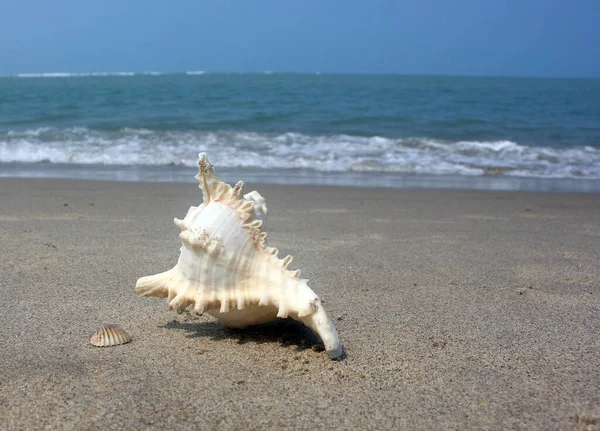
column 457, row 310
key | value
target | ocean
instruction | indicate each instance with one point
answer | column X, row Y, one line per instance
column 493, row 133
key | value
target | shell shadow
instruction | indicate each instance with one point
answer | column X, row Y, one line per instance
column 286, row 332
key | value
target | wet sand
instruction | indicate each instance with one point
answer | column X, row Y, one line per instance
column 457, row 310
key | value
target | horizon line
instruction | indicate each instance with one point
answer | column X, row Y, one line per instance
column 98, row 74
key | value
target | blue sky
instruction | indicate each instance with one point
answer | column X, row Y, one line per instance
column 458, row 37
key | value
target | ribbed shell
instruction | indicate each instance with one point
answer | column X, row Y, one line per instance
column 109, row 335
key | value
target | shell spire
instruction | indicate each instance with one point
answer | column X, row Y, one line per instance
column 227, row 269
column 211, row 187
column 215, row 190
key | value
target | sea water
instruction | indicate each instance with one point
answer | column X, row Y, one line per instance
column 364, row 130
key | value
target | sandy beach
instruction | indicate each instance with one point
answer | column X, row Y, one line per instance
column 457, row 310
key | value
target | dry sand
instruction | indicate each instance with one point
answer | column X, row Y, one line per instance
column 457, row 310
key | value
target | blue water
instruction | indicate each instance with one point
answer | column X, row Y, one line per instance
column 305, row 128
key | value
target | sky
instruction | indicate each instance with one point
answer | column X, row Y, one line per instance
column 441, row 37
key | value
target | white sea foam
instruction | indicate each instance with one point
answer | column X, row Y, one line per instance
column 335, row 153
column 44, row 75
column 72, row 74
column 195, row 72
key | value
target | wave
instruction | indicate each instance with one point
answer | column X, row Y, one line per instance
column 76, row 74
column 326, row 153
column 87, row 74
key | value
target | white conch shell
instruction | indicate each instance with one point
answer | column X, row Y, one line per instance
column 227, row 270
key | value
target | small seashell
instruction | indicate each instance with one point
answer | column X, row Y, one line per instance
column 109, row 335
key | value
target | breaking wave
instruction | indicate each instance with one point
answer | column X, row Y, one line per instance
column 325, row 153
column 75, row 74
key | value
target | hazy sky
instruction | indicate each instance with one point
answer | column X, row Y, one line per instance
column 466, row 37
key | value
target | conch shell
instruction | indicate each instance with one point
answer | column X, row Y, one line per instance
column 227, row 270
